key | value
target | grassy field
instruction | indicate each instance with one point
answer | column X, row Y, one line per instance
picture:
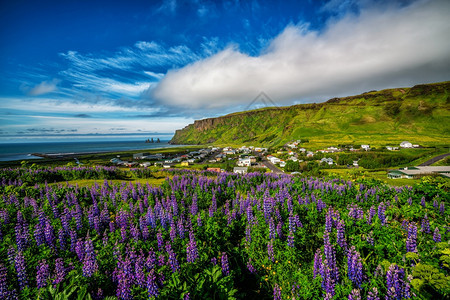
column 363, row 173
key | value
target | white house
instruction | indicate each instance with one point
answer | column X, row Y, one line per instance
column 406, row 144
column 145, row 164
column 244, row 162
column 328, row 160
column 273, row 159
column 365, row 147
column 391, row 148
column 240, row 170
column 282, row 163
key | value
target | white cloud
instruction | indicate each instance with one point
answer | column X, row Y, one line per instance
column 377, row 48
column 44, row 87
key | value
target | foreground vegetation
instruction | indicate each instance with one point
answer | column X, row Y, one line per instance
column 207, row 235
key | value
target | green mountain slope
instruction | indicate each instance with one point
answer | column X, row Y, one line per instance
column 420, row 114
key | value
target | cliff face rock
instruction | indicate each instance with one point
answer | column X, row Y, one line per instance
column 388, row 114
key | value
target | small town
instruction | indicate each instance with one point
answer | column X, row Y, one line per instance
column 293, row 158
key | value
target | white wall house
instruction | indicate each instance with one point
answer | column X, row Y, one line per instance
column 406, row 144
column 365, row 147
column 244, row 162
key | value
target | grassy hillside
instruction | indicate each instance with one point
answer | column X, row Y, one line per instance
column 419, row 114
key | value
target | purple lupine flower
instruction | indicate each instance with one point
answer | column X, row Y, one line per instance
column 250, row 266
column 73, row 240
column 90, row 265
column 43, row 273
column 160, row 240
column 60, row 271
column 397, row 287
column 355, row 212
column 199, row 221
column 225, row 266
column 79, row 249
column 39, row 234
column 422, row 201
column 280, row 230
column 435, row 203
column 139, row 275
column 276, row 292
column 21, row 269
column 194, row 206
column 172, row 258
column 180, row 227
column 330, row 257
column 372, row 213
column 373, row 294
column 442, row 208
column 354, row 263
column 318, row 263
column 152, row 287
column 382, row 213
column 425, row 225
column 49, row 235
column 151, row 260
column 290, row 239
column 62, row 238
column 354, row 295
column 410, row 201
column 272, row 234
column 369, row 238
column 328, row 221
column 436, row 235
column 411, row 241
column 4, row 293
column 328, row 282
column 11, row 253
column 20, row 241
column 341, row 234
column 214, row 261
column 124, row 288
column 270, row 252
column 192, row 252
column 248, row 233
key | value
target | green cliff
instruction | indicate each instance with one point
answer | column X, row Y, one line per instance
column 419, row 114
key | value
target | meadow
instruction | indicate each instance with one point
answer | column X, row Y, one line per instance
column 86, row 233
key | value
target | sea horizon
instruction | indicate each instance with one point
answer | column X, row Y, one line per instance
column 23, row 149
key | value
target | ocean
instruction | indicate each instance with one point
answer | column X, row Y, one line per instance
column 20, row 150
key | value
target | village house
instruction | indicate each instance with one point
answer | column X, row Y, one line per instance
column 140, row 155
column 240, row 170
column 273, row 159
column 327, row 160
column 406, row 144
column 244, row 162
column 414, row 172
column 391, row 148
column 365, row 147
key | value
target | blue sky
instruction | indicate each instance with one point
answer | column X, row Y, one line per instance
column 73, row 68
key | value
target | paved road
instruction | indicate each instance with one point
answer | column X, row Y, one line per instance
column 434, row 159
column 271, row 166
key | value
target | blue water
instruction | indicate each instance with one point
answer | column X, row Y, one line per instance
column 20, row 151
